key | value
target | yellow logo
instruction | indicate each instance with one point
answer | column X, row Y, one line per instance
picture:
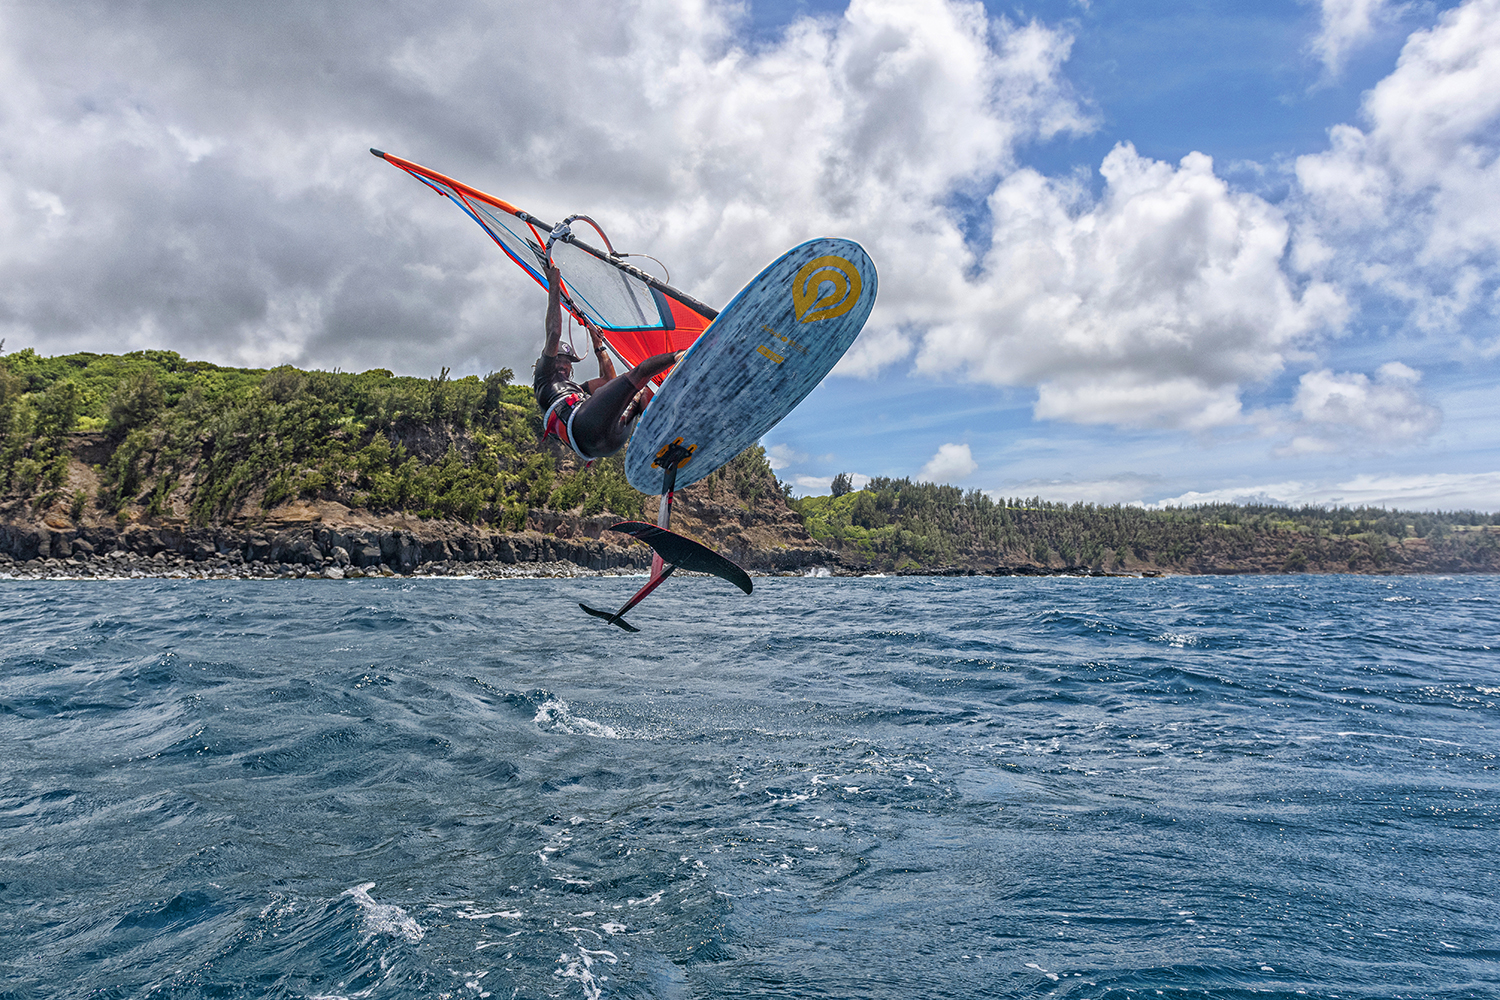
column 811, row 302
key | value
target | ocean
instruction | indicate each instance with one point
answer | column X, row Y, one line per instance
column 895, row 788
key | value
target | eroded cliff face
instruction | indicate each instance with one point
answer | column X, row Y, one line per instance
column 739, row 512
column 762, row 536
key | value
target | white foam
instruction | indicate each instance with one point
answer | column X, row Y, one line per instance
column 383, row 918
column 1398, row 736
column 581, row 968
column 1050, row 975
column 1178, row 640
column 553, row 716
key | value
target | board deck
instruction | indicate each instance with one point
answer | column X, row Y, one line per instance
column 765, row 352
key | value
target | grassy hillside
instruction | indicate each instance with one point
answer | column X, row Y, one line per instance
column 162, row 436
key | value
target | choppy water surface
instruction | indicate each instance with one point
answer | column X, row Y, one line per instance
column 836, row 788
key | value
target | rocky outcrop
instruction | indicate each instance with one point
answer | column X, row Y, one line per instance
column 331, row 539
column 398, row 549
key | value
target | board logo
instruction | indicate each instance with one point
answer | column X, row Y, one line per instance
column 808, row 297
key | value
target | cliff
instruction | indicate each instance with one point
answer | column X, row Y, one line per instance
column 175, row 465
column 762, row 534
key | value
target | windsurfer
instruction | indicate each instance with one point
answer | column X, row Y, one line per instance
column 596, row 417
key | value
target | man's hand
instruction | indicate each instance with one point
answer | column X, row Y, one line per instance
column 606, row 365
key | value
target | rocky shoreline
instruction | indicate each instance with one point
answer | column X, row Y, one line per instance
column 142, row 555
column 179, row 569
column 351, row 553
column 118, row 565
column 298, row 546
column 327, row 540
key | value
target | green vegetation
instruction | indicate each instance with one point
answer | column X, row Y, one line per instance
column 743, row 481
column 169, row 435
column 150, row 434
column 896, row 524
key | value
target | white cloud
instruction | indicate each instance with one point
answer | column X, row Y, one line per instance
column 823, row 485
column 1151, row 306
column 220, row 200
column 1127, row 488
column 200, row 184
column 781, row 456
column 1348, row 411
column 1406, row 207
column 46, row 201
column 952, row 463
column 1435, row 491
column 1345, row 26
column 1136, row 399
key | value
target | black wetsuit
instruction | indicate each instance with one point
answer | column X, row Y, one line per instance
column 596, row 427
column 549, row 385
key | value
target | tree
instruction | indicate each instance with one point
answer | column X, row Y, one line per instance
column 135, row 401
column 842, row 483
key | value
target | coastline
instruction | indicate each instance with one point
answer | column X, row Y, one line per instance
column 120, row 565
column 327, row 540
column 123, row 565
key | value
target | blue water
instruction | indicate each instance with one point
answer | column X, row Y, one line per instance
column 897, row 788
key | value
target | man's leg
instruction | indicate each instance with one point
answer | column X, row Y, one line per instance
column 637, row 405
column 599, row 427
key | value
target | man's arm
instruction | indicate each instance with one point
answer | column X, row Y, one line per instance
column 554, row 312
column 606, row 363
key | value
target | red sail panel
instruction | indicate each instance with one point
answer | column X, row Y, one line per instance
column 637, row 319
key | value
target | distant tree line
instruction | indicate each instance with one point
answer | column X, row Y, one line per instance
column 898, row 524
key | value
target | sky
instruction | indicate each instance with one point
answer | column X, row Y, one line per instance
column 1130, row 251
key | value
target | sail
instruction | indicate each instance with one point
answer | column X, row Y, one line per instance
column 638, row 314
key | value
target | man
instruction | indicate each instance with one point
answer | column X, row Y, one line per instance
column 594, row 419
